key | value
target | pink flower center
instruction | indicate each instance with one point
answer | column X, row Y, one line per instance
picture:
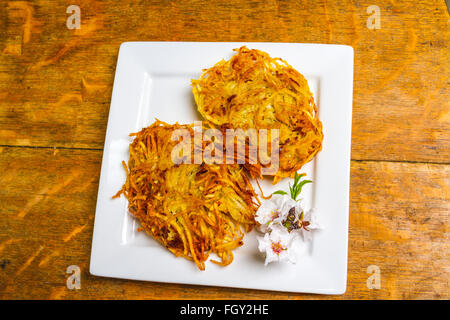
column 275, row 214
column 277, row 247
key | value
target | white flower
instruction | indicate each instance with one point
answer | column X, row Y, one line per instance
column 287, row 226
column 311, row 217
column 301, row 222
column 273, row 211
column 277, row 245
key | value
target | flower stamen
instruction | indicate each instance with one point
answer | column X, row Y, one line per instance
column 277, row 247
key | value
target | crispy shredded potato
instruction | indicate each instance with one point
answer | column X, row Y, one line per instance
column 253, row 90
column 191, row 209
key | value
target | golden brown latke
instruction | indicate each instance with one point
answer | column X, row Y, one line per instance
column 192, row 209
column 253, row 90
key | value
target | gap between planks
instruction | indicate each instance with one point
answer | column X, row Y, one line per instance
column 352, row 159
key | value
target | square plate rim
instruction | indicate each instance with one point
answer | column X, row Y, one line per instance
column 347, row 51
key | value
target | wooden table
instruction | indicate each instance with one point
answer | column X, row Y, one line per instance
column 55, row 89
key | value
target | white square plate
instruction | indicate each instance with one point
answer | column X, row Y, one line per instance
column 153, row 81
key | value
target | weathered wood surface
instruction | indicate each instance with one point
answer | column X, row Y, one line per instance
column 55, row 89
column 49, row 74
column 399, row 222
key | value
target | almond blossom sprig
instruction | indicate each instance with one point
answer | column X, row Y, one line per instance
column 286, row 224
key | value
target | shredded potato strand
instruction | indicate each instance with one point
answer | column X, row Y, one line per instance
column 253, row 90
column 192, row 209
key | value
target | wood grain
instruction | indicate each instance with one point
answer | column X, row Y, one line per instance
column 55, row 90
column 398, row 221
column 49, row 74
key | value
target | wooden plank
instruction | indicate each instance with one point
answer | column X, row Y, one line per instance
column 55, row 83
column 398, row 221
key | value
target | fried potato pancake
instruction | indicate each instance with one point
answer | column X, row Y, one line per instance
column 253, row 90
column 191, row 209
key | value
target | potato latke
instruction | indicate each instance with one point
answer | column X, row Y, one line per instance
column 192, row 209
column 253, row 90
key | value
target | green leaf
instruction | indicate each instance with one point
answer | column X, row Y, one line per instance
column 296, row 188
column 297, row 177
column 290, row 188
column 280, row 192
column 299, row 188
